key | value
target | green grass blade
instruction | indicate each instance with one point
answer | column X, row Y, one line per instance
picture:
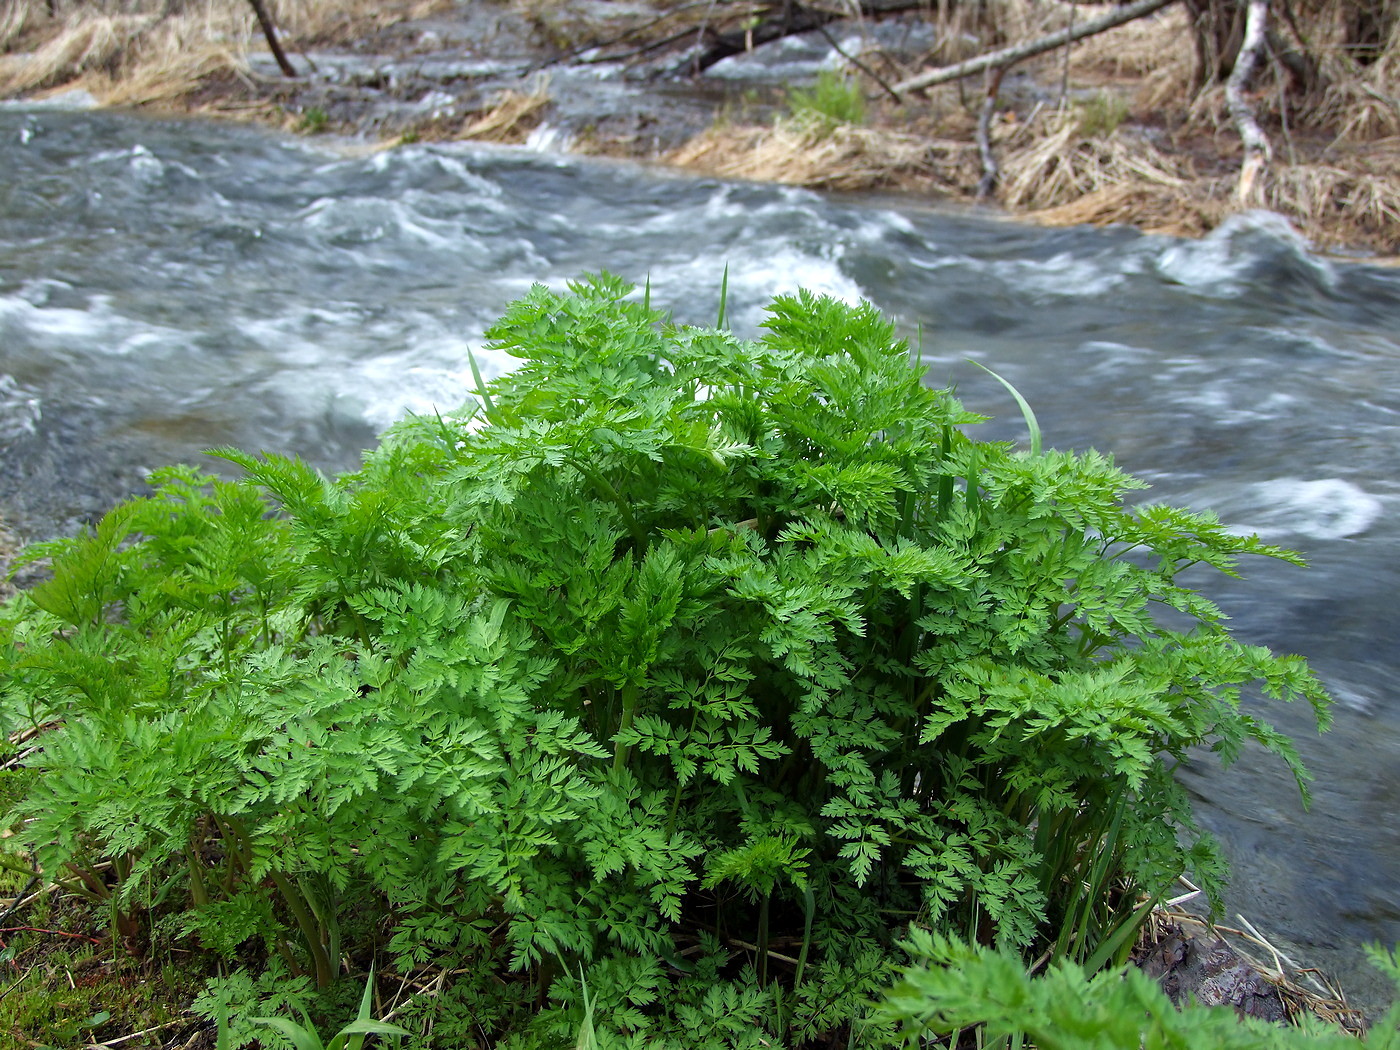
column 481, row 390
column 1115, row 947
column 587, row 1037
column 302, row 1038
column 352, row 1036
column 723, row 298
column 1031, row 423
column 809, row 905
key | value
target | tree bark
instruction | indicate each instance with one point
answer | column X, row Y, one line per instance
column 991, row 171
column 1217, row 30
column 265, row 21
column 1257, row 151
column 1009, row 55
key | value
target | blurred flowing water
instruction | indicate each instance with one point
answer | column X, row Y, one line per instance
column 166, row 286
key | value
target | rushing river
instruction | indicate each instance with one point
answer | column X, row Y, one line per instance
column 165, row 287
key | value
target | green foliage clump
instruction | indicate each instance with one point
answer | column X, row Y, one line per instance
column 834, row 99
column 1100, row 114
column 957, row 987
column 690, row 666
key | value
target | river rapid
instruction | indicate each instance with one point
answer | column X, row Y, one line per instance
column 169, row 286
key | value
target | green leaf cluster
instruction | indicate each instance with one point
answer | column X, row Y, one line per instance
column 954, row 987
column 706, row 664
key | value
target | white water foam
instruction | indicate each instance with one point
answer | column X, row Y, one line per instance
column 1060, row 275
column 754, row 279
column 546, row 138
column 95, row 330
column 64, row 100
column 20, row 409
column 1321, row 509
column 424, row 382
column 1219, row 264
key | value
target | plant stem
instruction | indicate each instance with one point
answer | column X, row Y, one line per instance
column 621, row 752
column 310, row 929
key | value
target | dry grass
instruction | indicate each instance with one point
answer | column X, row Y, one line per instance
column 1359, row 102
column 1337, row 206
column 1140, row 49
column 1153, row 209
column 135, row 52
column 511, row 117
column 1061, row 165
column 839, row 158
column 14, row 18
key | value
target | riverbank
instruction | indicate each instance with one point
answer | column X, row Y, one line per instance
column 1107, row 131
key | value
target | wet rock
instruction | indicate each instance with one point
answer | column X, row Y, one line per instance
column 1208, row 971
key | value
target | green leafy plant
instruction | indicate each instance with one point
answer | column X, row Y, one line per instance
column 1101, row 114
column 955, row 987
column 314, row 121
column 352, row 1037
column 833, row 99
column 706, row 664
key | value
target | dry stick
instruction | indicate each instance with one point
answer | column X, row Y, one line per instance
column 21, row 898
column 623, row 56
column 135, row 1035
column 265, row 20
column 700, row 35
column 1008, row 55
column 631, row 31
column 990, row 171
column 859, row 65
column 1257, row 151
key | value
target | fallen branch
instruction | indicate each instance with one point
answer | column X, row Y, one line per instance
column 790, row 20
column 1257, row 151
column 1017, row 52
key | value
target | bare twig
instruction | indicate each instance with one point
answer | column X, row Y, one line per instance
column 135, row 1035
column 859, row 64
column 56, row 933
column 21, row 898
column 1009, row 55
column 432, row 988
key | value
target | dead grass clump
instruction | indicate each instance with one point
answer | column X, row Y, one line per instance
column 87, row 43
column 1338, row 206
column 838, row 158
column 1061, row 165
column 324, row 23
column 511, row 117
column 1154, row 209
column 135, row 58
column 14, row 17
column 1359, row 101
column 133, row 52
column 1145, row 47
